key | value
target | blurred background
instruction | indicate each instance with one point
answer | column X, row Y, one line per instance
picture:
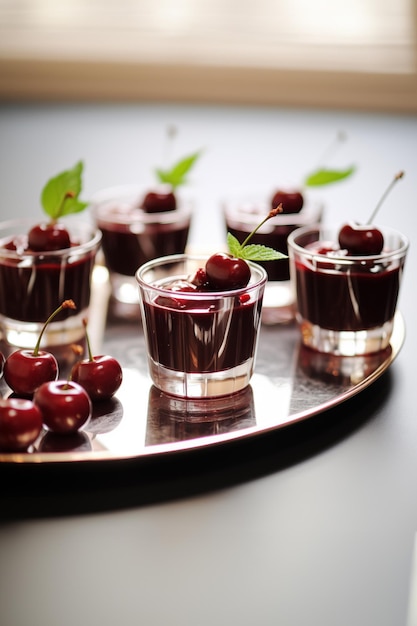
column 332, row 53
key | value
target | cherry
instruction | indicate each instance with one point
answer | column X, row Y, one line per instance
column 2, row 360
column 65, row 405
column 225, row 272
column 159, row 201
column 25, row 370
column 365, row 239
column 292, row 201
column 48, row 237
column 361, row 239
column 20, row 424
column 101, row 376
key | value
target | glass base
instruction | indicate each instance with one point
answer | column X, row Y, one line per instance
column 202, row 384
column 124, row 299
column 278, row 303
column 58, row 338
column 346, row 343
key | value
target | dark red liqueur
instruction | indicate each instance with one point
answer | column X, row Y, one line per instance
column 351, row 299
column 39, row 287
column 124, row 251
column 192, row 339
column 276, row 239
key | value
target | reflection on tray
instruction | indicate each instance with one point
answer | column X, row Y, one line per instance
column 176, row 419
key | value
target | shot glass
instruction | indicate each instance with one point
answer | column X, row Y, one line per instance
column 200, row 344
column 131, row 237
column 34, row 284
column 241, row 216
column 345, row 304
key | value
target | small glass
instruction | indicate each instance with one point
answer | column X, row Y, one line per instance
column 345, row 304
column 131, row 237
column 34, row 284
column 241, row 217
column 200, row 344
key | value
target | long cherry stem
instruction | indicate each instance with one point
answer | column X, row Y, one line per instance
column 87, row 339
column 67, row 304
column 384, row 195
column 271, row 213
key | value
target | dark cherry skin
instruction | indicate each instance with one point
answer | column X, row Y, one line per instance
column 225, row 272
column 65, row 405
column 48, row 237
column 361, row 239
column 24, row 371
column 20, row 424
column 159, row 201
column 292, row 201
column 101, row 377
column 2, row 360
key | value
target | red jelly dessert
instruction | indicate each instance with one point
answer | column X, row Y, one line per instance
column 131, row 236
column 201, row 343
column 345, row 299
column 32, row 283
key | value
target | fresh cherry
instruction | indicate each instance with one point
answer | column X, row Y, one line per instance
column 361, row 239
column 48, row 237
column 159, row 201
column 292, row 201
column 2, row 360
column 225, row 272
column 20, row 424
column 101, row 376
column 65, row 405
column 25, row 370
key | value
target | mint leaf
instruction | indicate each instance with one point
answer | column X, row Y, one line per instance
column 256, row 252
column 176, row 176
column 252, row 252
column 233, row 245
column 325, row 177
column 60, row 194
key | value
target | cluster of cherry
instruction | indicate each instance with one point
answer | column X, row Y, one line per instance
column 40, row 399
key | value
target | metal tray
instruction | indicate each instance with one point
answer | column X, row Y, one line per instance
column 291, row 383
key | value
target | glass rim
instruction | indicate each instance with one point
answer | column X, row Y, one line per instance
column 128, row 196
column 346, row 258
column 197, row 295
column 309, row 214
column 84, row 226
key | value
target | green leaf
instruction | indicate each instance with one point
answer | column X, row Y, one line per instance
column 325, row 177
column 233, row 245
column 60, row 194
column 256, row 252
column 177, row 174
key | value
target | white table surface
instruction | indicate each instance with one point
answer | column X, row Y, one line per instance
column 326, row 537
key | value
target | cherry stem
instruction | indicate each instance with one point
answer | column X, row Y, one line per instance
column 68, row 194
column 271, row 213
column 340, row 137
column 384, row 195
column 87, row 339
column 67, row 304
